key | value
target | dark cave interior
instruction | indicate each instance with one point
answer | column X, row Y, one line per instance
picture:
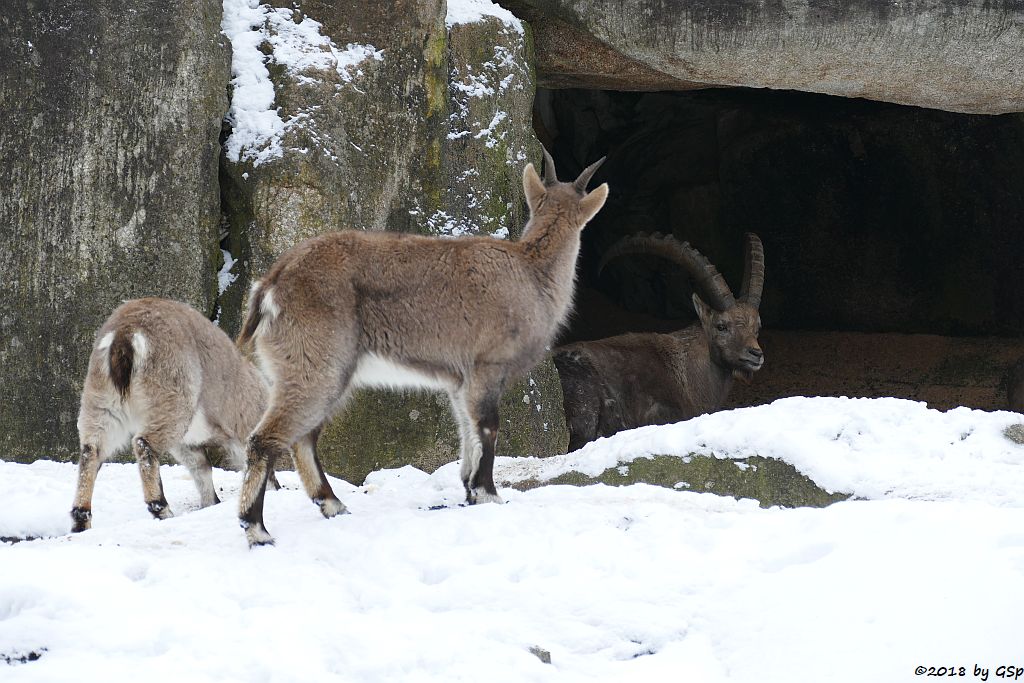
column 892, row 234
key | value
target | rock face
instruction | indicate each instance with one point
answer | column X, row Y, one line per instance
column 957, row 55
column 109, row 175
column 389, row 116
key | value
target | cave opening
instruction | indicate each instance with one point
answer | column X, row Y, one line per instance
column 892, row 234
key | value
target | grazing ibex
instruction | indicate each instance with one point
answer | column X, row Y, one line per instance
column 169, row 381
column 351, row 309
column 634, row 380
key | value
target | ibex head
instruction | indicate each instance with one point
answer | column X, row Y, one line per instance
column 731, row 324
column 569, row 199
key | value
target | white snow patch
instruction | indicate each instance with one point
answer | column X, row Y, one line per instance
column 634, row 583
column 872, row 448
column 225, row 278
column 471, row 11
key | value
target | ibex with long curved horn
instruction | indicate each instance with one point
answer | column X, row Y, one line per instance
column 353, row 308
column 633, row 380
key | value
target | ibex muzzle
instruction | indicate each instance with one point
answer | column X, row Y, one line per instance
column 353, row 308
column 634, row 380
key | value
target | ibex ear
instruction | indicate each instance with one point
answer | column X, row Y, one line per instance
column 592, row 203
column 533, row 187
column 703, row 310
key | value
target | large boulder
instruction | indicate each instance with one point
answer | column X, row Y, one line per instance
column 111, row 116
column 383, row 116
column 958, row 55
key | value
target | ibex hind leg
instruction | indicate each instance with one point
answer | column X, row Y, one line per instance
column 149, row 470
column 202, row 473
column 281, row 426
column 89, row 462
column 311, row 472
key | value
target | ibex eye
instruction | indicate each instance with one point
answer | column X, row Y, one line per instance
column 722, row 327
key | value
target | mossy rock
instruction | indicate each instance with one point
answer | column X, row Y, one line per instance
column 766, row 480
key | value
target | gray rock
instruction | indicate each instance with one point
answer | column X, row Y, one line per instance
column 958, row 55
column 112, row 113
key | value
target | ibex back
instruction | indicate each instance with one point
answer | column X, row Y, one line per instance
column 353, row 309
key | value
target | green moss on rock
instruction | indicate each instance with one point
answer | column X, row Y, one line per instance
column 766, row 480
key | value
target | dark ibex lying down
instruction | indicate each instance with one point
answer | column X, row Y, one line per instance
column 351, row 309
column 169, row 381
column 634, row 380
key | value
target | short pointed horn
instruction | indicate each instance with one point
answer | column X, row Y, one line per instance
column 581, row 182
column 550, row 175
column 710, row 283
column 753, row 271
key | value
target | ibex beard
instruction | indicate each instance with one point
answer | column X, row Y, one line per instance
column 353, row 309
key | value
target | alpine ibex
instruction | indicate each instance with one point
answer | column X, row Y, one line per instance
column 352, row 308
column 169, row 381
column 634, row 380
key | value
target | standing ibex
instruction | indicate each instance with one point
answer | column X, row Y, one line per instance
column 167, row 379
column 633, row 380
column 351, row 309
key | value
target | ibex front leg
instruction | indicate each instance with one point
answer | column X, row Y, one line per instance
column 478, row 429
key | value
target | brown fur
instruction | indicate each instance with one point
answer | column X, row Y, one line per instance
column 465, row 315
column 610, row 385
column 121, row 360
column 148, row 393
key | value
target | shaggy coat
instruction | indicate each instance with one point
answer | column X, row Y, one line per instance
column 167, row 380
column 465, row 316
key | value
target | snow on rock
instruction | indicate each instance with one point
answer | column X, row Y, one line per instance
column 225, row 278
column 256, row 126
column 872, row 448
column 469, row 11
column 618, row 584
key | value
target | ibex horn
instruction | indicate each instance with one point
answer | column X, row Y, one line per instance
column 753, row 271
column 588, row 173
column 710, row 283
column 550, row 176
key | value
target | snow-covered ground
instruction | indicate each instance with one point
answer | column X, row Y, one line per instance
column 628, row 584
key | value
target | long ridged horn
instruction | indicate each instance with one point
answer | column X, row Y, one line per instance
column 581, row 182
column 753, row 271
column 710, row 283
column 550, row 176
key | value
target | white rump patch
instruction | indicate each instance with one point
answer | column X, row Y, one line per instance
column 269, row 307
column 199, row 430
column 140, row 345
column 374, row 371
column 105, row 343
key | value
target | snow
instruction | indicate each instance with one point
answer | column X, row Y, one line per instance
column 618, row 584
column 225, row 278
column 470, row 11
column 257, row 128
